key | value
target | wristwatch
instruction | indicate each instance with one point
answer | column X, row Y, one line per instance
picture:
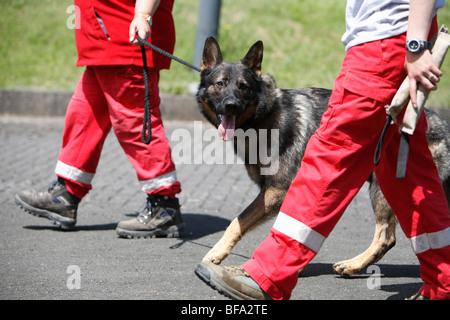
column 145, row 16
column 415, row 45
column 149, row 20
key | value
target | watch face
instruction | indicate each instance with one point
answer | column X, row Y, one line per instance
column 413, row 45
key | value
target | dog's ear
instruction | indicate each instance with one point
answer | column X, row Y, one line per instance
column 254, row 57
column 211, row 54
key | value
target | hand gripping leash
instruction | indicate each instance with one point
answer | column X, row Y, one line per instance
column 147, row 126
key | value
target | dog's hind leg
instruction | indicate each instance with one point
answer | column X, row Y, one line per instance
column 384, row 236
column 446, row 186
column 383, row 239
column 265, row 206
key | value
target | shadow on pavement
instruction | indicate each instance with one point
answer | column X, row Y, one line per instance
column 93, row 227
column 197, row 225
column 387, row 271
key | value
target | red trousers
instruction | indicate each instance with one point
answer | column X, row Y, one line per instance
column 338, row 159
column 113, row 96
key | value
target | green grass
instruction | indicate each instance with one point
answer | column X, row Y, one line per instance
column 301, row 43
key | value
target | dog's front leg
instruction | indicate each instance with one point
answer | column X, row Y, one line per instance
column 266, row 205
column 383, row 238
column 223, row 247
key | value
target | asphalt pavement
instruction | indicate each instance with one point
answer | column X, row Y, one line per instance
column 39, row 261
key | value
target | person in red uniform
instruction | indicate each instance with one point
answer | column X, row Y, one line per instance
column 339, row 158
column 110, row 94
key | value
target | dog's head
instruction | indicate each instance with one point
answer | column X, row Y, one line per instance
column 228, row 92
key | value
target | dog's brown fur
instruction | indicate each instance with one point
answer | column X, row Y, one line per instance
column 239, row 91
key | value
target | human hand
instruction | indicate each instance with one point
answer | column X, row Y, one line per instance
column 421, row 68
column 139, row 27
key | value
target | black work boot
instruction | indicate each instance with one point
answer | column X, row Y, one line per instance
column 55, row 204
column 161, row 217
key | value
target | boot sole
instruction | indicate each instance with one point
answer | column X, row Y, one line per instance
column 63, row 222
column 171, row 232
column 206, row 273
column 203, row 273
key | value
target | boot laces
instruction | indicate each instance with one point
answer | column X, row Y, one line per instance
column 237, row 271
column 147, row 212
column 53, row 185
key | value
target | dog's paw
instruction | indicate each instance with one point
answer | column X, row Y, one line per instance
column 212, row 259
column 215, row 257
column 346, row 268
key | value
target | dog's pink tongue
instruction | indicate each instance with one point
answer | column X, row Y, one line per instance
column 226, row 127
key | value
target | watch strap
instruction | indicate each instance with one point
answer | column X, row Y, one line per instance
column 145, row 16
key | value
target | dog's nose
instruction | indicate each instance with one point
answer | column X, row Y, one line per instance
column 230, row 105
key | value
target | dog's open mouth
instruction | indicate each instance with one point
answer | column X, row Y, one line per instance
column 227, row 126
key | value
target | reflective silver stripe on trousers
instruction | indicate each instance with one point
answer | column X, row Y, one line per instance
column 158, row 182
column 72, row 173
column 427, row 241
column 299, row 231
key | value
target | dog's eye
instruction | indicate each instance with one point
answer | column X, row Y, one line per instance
column 220, row 84
column 243, row 86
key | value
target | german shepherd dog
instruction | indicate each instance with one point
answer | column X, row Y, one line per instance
column 237, row 96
